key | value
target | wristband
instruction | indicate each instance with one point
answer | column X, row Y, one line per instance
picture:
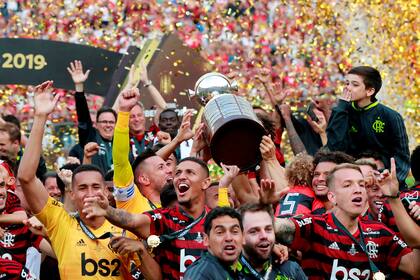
column 397, row 195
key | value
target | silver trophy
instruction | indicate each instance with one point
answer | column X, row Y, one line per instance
column 233, row 131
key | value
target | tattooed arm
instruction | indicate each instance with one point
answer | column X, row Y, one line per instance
column 285, row 231
column 138, row 224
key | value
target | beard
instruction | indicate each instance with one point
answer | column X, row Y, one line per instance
column 253, row 255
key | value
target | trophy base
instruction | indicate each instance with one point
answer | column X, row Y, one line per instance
column 237, row 143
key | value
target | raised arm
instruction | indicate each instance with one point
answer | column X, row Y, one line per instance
column 229, row 173
column 184, row 133
column 150, row 88
column 388, row 182
column 295, row 141
column 33, row 189
column 270, row 166
column 85, row 125
column 319, row 126
column 123, row 174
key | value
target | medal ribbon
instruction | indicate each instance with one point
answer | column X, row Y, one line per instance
column 361, row 243
column 255, row 273
column 181, row 232
column 89, row 233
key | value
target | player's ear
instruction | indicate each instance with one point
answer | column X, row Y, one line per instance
column 331, row 197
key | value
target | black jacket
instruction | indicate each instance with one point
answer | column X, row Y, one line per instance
column 376, row 128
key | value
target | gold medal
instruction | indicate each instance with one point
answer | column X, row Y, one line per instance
column 378, row 276
column 153, row 241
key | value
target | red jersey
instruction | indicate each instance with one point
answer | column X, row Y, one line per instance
column 328, row 253
column 11, row 270
column 176, row 255
column 12, row 203
column 385, row 213
column 300, row 200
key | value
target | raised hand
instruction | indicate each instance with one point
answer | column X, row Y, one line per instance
column 268, row 193
column 76, row 72
column 346, row 96
column 90, row 149
column 128, row 99
column 286, row 113
column 388, row 181
column 199, row 141
column 144, row 77
column 184, row 131
column 163, row 137
column 95, row 206
column 230, row 172
column 321, row 125
column 124, row 245
column 65, row 176
column 44, row 99
column 267, row 148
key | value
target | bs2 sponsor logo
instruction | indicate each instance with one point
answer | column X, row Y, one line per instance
column 344, row 274
column 305, row 221
column 104, row 267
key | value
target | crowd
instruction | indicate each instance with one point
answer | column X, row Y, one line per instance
column 138, row 202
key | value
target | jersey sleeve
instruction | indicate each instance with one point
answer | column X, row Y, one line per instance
column 131, row 200
column 157, row 223
column 13, row 203
column 318, row 207
column 123, row 174
column 397, row 249
column 56, row 220
column 223, row 200
column 303, row 233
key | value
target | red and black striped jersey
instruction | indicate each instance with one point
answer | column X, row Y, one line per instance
column 11, row 270
column 176, row 255
column 385, row 213
column 299, row 200
column 12, row 203
column 16, row 240
column 328, row 253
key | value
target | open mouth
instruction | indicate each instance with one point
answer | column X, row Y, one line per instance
column 358, row 201
column 183, row 188
column 378, row 204
column 230, row 249
column 264, row 246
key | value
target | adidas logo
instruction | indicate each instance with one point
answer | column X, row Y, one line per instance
column 80, row 243
column 334, row 246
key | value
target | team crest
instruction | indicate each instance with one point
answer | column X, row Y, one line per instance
column 372, row 249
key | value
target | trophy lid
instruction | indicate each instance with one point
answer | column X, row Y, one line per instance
column 210, row 85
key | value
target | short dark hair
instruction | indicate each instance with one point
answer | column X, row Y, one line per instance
column 331, row 175
column 369, row 154
column 12, row 130
column 415, row 163
column 67, row 166
column 48, row 174
column 169, row 110
column 109, row 175
column 198, row 161
column 147, row 153
column 220, row 212
column 268, row 124
column 336, row 157
column 367, row 162
column 168, row 195
column 105, row 109
column 12, row 119
column 371, row 78
column 156, row 147
column 86, row 168
column 256, row 207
